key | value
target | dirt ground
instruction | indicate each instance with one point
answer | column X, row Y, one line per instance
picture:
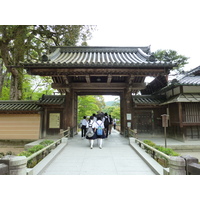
column 12, row 146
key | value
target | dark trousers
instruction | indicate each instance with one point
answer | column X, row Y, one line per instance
column 106, row 130
column 83, row 131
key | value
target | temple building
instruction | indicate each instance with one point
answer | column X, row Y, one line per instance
column 118, row 71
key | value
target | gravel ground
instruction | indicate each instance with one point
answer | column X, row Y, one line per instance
column 14, row 146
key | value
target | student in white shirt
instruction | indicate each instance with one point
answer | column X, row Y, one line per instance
column 84, row 124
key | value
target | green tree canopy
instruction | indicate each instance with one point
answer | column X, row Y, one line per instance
column 173, row 56
column 87, row 105
column 19, row 43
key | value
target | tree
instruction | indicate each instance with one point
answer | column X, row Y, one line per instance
column 24, row 42
column 173, row 56
column 87, row 105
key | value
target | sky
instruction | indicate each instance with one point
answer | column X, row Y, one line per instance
column 160, row 24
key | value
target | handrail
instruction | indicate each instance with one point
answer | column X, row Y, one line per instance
column 153, row 149
column 146, row 145
column 49, row 146
column 132, row 133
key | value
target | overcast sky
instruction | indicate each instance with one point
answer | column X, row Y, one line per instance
column 171, row 24
column 161, row 24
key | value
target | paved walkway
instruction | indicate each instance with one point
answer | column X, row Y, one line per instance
column 115, row 158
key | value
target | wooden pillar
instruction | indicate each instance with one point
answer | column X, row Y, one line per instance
column 122, row 113
column 180, row 114
column 70, row 112
column 127, row 103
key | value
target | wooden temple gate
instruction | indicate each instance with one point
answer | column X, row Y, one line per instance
column 98, row 71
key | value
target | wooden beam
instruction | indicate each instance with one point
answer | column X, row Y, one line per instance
column 131, row 78
column 138, row 86
column 104, row 86
column 87, row 78
column 65, row 79
column 109, row 78
column 97, row 72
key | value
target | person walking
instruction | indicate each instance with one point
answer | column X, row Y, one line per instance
column 114, row 123
column 100, row 132
column 84, row 124
column 106, row 122
column 91, row 124
column 110, row 124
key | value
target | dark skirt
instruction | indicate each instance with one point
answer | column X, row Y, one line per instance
column 93, row 137
column 101, row 136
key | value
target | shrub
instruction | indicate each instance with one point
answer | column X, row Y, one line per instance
column 35, row 148
column 46, row 142
column 24, row 153
column 9, row 153
column 149, row 142
column 167, row 151
column 2, row 154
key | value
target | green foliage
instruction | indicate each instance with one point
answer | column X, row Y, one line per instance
column 87, row 105
column 46, row 142
column 31, row 163
column 172, row 56
column 2, row 154
column 149, row 142
column 31, row 150
column 25, row 153
column 19, row 43
column 35, row 148
column 166, row 151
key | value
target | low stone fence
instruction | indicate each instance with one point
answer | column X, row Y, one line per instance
column 177, row 165
column 17, row 165
column 13, row 165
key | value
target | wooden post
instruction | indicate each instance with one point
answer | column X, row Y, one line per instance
column 180, row 114
column 165, row 124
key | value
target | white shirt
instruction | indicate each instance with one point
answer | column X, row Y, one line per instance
column 91, row 123
column 99, row 123
column 84, row 122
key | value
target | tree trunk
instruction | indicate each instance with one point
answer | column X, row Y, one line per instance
column 1, row 80
column 16, row 86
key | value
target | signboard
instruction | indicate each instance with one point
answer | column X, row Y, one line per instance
column 128, row 116
column 165, row 119
column 129, row 124
column 54, row 120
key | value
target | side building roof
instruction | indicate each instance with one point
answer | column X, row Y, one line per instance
column 30, row 106
column 148, row 100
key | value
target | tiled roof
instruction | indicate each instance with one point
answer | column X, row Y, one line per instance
column 99, row 56
column 31, row 106
column 189, row 80
column 19, row 106
column 52, row 100
column 158, row 83
column 148, row 100
column 188, row 98
column 195, row 71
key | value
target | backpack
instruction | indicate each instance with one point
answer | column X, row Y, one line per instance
column 106, row 122
column 90, row 131
column 99, row 129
